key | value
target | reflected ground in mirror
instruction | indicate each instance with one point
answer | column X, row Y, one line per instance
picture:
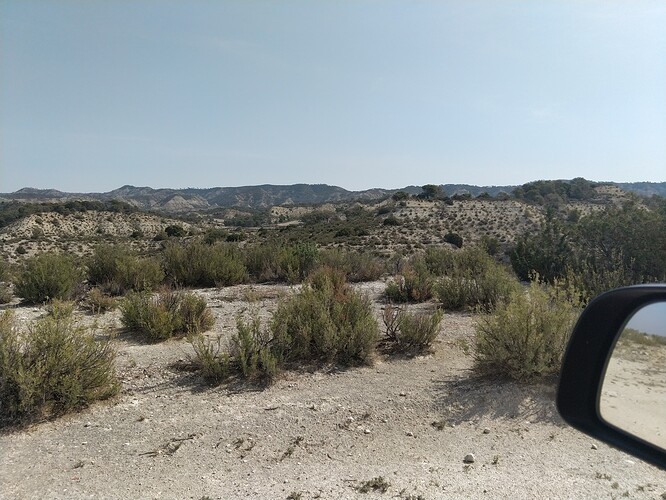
column 633, row 395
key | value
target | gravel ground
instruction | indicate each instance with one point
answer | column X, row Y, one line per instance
column 326, row 434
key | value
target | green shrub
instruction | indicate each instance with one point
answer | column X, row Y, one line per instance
column 357, row 266
column 475, row 281
column 325, row 321
column 6, row 295
column 61, row 309
column 525, row 336
column 453, row 238
column 175, row 231
column 117, row 270
column 280, row 262
column 57, row 367
column 211, row 359
column 251, row 351
column 414, row 284
column 199, row 264
column 411, row 331
column 165, row 315
column 48, row 276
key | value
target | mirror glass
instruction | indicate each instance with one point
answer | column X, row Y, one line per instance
column 633, row 392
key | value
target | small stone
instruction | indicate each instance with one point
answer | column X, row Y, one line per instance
column 486, row 431
column 403, row 394
column 469, row 458
column 410, row 434
column 349, row 419
column 367, row 431
column 87, row 424
column 594, row 447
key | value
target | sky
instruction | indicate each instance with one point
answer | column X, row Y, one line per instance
column 358, row 94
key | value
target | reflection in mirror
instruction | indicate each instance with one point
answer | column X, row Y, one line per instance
column 633, row 394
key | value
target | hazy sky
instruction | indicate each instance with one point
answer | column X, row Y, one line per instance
column 359, row 94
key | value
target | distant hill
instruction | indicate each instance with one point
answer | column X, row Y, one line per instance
column 264, row 196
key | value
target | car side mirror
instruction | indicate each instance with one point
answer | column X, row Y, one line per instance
column 613, row 378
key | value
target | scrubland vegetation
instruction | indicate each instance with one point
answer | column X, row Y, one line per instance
column 576, row 252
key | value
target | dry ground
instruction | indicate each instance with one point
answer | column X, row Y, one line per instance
column 315, row 434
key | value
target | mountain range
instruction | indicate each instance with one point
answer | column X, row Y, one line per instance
column 264, row 196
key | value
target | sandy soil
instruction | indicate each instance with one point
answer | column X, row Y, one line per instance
column 315, row 434
column 633, row 396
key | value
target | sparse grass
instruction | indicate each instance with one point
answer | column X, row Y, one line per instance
column 54, row 368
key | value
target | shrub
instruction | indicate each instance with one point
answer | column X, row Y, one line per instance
column 211, row 359
column 251, row 351
column 279, row 262
column 525, row 336
column 165, row 315
column 248, row 354
column 454, row 239
column 48, row 276
column 411, row 331
column 357, row 266
column 198, row 264
column 5, row 294
column 325, row 321
column 56, row 368
column 475, row 281
column 98, row 302
column 175, row 231
column 117, row 270
column 414, row 284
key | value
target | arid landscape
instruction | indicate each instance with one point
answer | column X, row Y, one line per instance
column 422, row 423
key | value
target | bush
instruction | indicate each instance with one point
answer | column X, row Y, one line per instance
column 411, row 331
column 357, row 266
column 249, row 354
column 98, row 302
column 165, row 315
column 414, row 284
column 199, row 264
column 279, row 262
column 325, row 321
column 454, row 239
column 525, row 337
column 475, row 281
column 117, row 270
column 211, row 359
column 48, row 276
column 56, row 368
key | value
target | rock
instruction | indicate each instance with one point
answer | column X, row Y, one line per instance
column 469, row 458
column 410, row 434
column 594, row 447
column 367, row 431
column 486, row 431
column 403, row 394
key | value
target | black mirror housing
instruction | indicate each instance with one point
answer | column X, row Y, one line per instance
column 585, row 362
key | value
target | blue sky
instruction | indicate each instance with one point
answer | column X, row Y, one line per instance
column 359, row 94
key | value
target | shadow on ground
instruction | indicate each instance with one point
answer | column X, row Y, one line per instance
column 470, row 397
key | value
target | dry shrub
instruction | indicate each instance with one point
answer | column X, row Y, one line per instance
column 325, row 321
column 165, row 315
column 411, row 332
column 55, row 368
column 525, row 336
column 48, row 276
column 98, row 302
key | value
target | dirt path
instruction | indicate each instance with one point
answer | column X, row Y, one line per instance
column 317, row 435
